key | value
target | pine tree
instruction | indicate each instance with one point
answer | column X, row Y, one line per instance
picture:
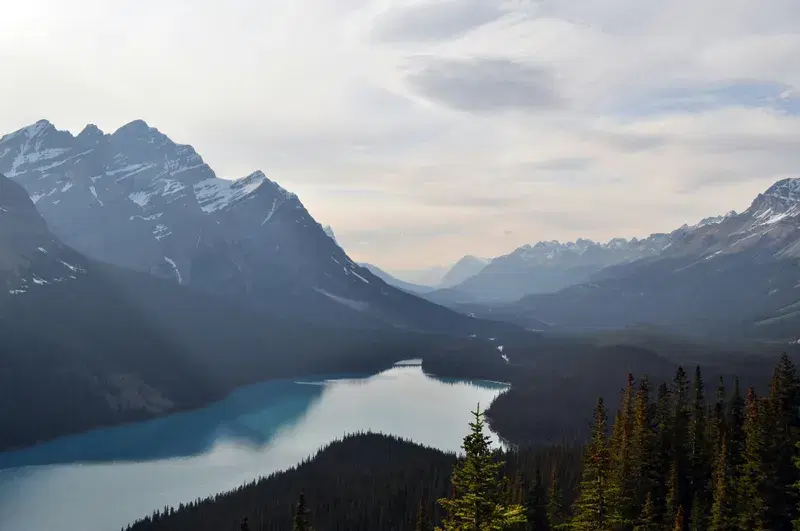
column 477, row 500
column 648, row 520
column 555, row 506
column 622, row 485
column 735, row 438
column 592, row 511
column 644, row 468
column 680, row 439
column 698, row 454
column 796, row 486
column 301, row 516
column 781, row 424
column 680, row 520
column 752, row 477
column 536, row 505
column 665, row 487
column 673, row 495
column 423, row 522
column 717, row 424
column 722, row 508
column 697, row 520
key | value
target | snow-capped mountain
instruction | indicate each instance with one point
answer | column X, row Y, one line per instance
column 738, row 273
column 136, row 199
column 545, row 267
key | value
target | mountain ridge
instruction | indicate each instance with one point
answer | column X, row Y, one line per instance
column 736, row 275
column 136, row 199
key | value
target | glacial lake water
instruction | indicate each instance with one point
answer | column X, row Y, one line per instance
column 104, row 479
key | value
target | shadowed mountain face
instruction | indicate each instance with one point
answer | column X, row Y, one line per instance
column 138, row 200
column 86, row 344
column 737, row 274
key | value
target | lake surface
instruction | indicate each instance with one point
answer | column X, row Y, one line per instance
column 104, row 479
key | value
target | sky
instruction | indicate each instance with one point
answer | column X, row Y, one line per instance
column 425, row 130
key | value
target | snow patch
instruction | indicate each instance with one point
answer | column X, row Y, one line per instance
column 171, row 262
column 271, row 211
column 350, row 303
column 161, row 231
column 151, row 217
column 39, row 281
column 140, row 198
column 172, row 187
column 74, row 269
column 216, row 194
column 94, row 193
column 364, row 280
column 130, row 170
column 42, row 250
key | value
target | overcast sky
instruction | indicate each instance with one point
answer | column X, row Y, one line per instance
column 426, row 130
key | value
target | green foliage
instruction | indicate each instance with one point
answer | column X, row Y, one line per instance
column 555, row 502
column 300, row 521
column 679, row 523
column 476, row 502
column 722, row 510
column 423, row 522
column 593, row 509
column 536, row 504
column 752, row 476
column 647, row 520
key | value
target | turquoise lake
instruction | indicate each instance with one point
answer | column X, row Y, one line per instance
column 104, row 479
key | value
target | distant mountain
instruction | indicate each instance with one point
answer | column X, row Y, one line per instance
column 466, row 268
column 396, row 282
column 735, row 275
column 138, row 200
column 547, row 267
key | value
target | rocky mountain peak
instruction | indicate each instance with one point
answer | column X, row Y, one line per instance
column 785, row 189
column 779, row 202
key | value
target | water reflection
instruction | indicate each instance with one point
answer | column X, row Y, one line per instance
column 249, row 416
column 104, row 479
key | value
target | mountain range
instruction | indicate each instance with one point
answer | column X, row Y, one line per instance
column 734, row 275
column 138, row 200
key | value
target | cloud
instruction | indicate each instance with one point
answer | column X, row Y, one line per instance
column 485, row 84
column 469, row 126
column 434, row 21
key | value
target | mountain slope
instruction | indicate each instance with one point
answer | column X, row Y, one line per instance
column 138, row 200
column 735, row 275
column 85, row 344
column 396, row 282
